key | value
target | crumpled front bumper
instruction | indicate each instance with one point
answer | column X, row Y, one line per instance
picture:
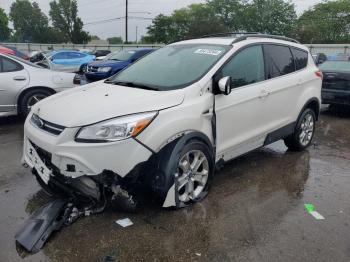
column 73, row 159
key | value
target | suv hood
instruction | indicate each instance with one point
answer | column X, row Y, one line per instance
column 100, row 101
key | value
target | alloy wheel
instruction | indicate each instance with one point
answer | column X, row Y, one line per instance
column 192, row 176
column 306, row 129
column 34, row 99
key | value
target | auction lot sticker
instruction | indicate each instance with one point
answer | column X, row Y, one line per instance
column 208, row 52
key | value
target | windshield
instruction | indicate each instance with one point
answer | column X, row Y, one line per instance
column 121, row 55
column 172, row 67
column 336, row 66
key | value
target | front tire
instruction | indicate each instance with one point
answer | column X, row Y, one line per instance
column 194, row 173
column 303, row 133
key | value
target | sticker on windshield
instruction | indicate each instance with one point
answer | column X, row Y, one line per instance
column 208, row 52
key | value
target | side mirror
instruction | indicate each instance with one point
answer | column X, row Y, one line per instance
column 225, row 85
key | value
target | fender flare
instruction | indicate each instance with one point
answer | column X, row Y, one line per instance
column 165, row 162
column 310, row 104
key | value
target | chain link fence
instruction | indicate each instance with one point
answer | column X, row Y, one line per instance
column 29, row 47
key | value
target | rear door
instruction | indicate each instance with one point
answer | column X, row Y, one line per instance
column 13, row 77
column 283, row 87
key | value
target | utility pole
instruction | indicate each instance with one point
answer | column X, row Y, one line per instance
column 136, row 33
column 126, row 22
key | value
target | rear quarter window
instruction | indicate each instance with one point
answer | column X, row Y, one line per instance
column 279, row 60
column 7, row 65
column 300, row 57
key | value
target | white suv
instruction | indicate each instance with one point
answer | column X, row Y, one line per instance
column 168, row 120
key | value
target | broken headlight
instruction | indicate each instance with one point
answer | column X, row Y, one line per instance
column 116, row 129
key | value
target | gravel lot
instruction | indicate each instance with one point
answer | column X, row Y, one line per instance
column 254, row 212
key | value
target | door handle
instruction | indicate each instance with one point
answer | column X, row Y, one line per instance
column 264, row 94
column 19, row 78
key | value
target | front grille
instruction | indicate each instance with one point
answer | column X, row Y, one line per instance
column 47, row 126
column 44, row 156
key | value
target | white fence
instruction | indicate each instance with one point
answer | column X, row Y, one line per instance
column 329, row 48
column 28, row 47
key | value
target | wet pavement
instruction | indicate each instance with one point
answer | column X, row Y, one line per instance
column 254, row 212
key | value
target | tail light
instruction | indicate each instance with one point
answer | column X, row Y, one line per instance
column 319, row 74
column 77, row 79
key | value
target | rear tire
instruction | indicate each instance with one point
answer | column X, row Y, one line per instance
column 303, row 133
column 30, row 99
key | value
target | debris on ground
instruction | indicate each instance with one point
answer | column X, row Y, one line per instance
column 310, row 209
column 126, row 222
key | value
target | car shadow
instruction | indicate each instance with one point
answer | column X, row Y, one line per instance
column 11, row 120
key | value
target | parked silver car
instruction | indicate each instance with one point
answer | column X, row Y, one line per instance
column 22, row 84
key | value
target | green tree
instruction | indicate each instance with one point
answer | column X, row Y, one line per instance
column 193, row 21
column 216, row 16
column 269, row 16
column 29, row 22
column 5, row 31
column 115, row 40
column 64, row 16
column 95, row 37
column 229, row 12
column 327, row 22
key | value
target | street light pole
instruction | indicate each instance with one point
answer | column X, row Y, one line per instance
column 126, row 22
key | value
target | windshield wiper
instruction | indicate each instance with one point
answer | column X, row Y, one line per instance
column 132, row 84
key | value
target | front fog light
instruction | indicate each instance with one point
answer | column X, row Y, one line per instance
column 116, row 129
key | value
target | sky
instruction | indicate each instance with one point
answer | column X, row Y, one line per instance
column 92, row 11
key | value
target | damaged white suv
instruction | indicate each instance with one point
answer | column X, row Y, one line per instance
column 167, row 121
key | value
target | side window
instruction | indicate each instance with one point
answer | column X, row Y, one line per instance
column 8, row 65
column 76, row 55
column 300, row 57
column 247, row 67
column 279, row 60
column 61, row 55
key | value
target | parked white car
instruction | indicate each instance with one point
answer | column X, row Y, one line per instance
column 166, row 121
column 22, row 84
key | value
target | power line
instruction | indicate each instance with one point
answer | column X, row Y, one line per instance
column 105, row 21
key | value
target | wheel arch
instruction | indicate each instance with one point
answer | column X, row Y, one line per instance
column 165, row 160
column 27, row 90
column 314, row 104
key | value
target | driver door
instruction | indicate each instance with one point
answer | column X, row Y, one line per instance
column 239, row 115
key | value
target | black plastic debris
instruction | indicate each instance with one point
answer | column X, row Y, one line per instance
column 42, row 223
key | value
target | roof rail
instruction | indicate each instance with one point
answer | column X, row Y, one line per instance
column 229, row 34
column 241, row 36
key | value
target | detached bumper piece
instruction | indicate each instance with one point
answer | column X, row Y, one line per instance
column 38, row 228
column 77, row 198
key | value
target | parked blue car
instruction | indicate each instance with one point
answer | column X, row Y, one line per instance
column 114, row 63
column 69, row 61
